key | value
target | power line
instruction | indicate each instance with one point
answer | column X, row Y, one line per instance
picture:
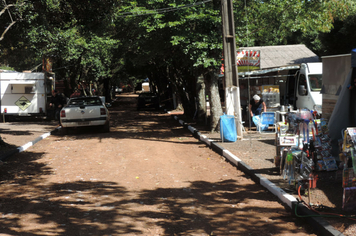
column 162, row 10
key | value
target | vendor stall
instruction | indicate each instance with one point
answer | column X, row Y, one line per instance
column 303, row 148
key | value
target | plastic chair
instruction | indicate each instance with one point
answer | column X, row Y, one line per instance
column 267, row 119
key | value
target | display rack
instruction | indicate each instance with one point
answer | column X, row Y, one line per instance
column 348, row 158
column 303, row 148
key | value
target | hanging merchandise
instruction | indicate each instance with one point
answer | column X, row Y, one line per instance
column 304, row 147
column 348, row 178
column 330, row 163
column 289, row 167
column 353, row 157
column 323, row 149
column 348, row 158
column 306, row 163
column 349, row 199
column 293, row 138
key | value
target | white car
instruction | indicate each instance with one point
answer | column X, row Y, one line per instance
column 84, row 111
column 118, row 90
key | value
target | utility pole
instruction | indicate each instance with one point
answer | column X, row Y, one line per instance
column 232, row 89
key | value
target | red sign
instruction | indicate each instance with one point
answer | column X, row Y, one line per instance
column 248, row 58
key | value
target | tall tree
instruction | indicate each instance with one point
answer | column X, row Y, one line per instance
column 183, row 36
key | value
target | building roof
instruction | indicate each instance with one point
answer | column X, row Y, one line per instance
column 283, row 55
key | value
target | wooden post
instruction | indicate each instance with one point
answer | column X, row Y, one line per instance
column 232, row 89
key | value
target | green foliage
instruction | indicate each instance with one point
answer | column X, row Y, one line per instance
column 275, row 22
column 77, row 37
column 2, row 67
column 168, row 41
column 340, row 40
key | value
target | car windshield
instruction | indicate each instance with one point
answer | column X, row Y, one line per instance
column 85, row 101
column 315, row 82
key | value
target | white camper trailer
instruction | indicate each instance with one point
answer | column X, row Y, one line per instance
column 24, row 94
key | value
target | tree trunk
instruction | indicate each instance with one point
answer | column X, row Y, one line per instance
column 201, row 100
column 107, row 90
column 179, row 102
column 183, row 99
column 212, row 82
column 186, row 103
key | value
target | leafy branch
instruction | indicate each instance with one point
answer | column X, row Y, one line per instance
column 6, row 8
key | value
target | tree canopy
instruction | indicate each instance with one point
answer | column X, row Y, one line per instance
column 170, row 42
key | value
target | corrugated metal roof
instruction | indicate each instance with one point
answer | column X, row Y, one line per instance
column 284, row 55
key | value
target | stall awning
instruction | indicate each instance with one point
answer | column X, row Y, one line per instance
column 260, row 72
column 256, row 74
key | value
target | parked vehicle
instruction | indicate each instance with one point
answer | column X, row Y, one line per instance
column 85, row 112
column 146, row 87
column 308, row 86
column 148, row 100
column 118, row 90
column 24, row 94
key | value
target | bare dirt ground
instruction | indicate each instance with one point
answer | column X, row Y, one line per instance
column 148, row 176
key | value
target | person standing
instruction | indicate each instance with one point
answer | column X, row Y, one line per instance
column 257, row 106
column 57, row 103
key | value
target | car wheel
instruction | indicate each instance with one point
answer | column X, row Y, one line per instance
column 106, row 127
column 9, row 119
column 64, row 130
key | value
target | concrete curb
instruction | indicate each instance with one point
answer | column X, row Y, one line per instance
column 27, row 145
column 318, row 223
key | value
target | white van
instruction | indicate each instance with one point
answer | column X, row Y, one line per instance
column 308, row 86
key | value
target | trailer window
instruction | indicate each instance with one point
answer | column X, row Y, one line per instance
column 315, row 82
column 22, row 88
column 29, row 89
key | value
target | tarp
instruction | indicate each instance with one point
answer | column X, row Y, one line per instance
column 340, row 118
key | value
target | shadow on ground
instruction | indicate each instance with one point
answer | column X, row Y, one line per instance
column 105, row 208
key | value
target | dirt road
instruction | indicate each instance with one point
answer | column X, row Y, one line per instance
column 148, row 176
